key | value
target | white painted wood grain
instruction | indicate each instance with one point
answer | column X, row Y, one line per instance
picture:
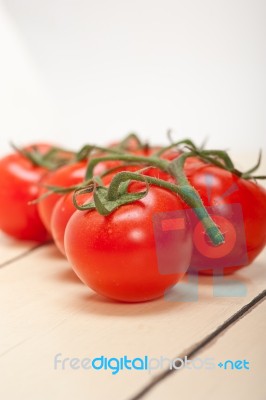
column 11, row 248
column 45, row 310
column 244, row 340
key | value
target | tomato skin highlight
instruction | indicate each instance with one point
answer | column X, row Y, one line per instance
column 19, row 185
column 115, row 255
column 218, row 187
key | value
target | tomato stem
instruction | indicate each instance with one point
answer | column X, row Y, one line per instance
column 123, row 176
column 130, row 158
column 50, row 160
column 86, row 150
column 175, row 168
column 173, row 145
column 191, row 197
column 124, row 144
column 187, row 193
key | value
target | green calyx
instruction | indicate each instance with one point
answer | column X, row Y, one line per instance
column 54, row 158
column 222, row 160
column 107, row 199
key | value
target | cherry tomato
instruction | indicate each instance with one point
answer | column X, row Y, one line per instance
column 116, row 255
column 64, row 208
column 222, row 189
column 61, row 214
column 68, row 175
column 19, row 185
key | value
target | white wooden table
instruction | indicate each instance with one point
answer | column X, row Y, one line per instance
column 45, row 310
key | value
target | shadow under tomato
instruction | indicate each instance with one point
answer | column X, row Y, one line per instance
column 53, row 252
column 92, row 303
column 68, row 276
column 208, row 280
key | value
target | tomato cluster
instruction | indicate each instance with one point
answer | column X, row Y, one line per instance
column 103, row 219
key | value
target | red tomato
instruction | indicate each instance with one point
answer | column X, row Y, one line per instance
column 68, row 175
column 61, row 214
column 104, row 166
column 171, row 154
column 116, row 256
column 19, row 185
column 64, row 208
column 221, row 188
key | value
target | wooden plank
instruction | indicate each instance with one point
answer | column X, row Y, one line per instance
column 46, row 311
column 244, row 341
column 11, row 249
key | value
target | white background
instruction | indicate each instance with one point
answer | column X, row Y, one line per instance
column 91, row 70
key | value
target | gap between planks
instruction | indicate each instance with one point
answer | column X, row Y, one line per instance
column 196, row 348
column 23, row 254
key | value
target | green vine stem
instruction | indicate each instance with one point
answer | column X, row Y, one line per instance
column 183, row 189
column 188, row 142
column 86, row 150
column 129, row 158
column 187, row 193
column 192, row 198
column 123, row 145
column 247, row 174
column 113, row 190
column 221, row 155
column 50, row 160
column 216, row 157
column 107, row 199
